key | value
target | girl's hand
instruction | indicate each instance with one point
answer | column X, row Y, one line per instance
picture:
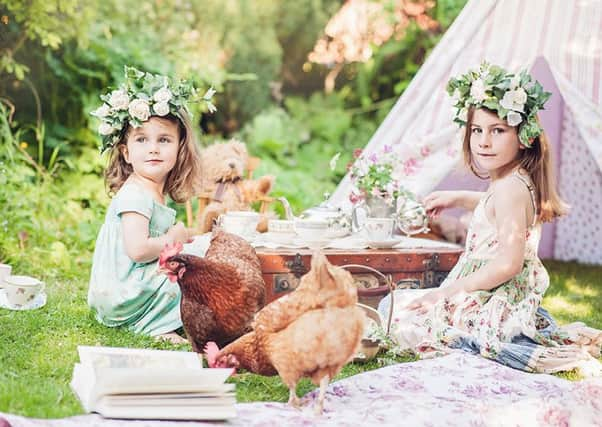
column 426, row 302
column 437, row 201
column 423, row 304
column 179, row 233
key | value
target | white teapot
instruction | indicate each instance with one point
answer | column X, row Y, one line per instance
column 339, row 222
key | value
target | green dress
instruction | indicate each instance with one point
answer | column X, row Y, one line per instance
column 124, row 292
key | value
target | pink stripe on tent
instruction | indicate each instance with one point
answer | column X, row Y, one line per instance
column 567, row 52
column 597, row 69
column 546, row 25
column 517, row 25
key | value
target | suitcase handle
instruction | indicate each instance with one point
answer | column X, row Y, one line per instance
column 388, row 281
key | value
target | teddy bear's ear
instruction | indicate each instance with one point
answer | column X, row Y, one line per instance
column 239, row 147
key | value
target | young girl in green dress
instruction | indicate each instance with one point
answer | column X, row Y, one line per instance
column 153, row 154
column 490, row 302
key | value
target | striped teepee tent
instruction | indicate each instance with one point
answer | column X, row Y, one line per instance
column 560, row 42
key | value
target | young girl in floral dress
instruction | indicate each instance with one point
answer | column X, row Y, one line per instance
column 490, row 302
column 153, row 154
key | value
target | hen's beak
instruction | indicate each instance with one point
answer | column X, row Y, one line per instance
column 161, row 270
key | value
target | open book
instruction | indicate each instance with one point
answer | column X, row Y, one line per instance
column 151, row 384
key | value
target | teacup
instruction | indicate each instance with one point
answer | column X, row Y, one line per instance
column 312, row 229
column 22, row 290
column 241, row 223
column 378, row 229
column 5, row 271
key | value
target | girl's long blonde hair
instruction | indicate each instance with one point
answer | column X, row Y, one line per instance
column 537, row 161
column 182, row 181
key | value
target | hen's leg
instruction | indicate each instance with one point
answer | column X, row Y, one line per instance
column 293, row 400
column 320, row 404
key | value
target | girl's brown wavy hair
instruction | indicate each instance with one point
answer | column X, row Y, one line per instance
column 537, row 161
column 182, row 181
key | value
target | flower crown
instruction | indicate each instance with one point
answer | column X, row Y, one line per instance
column 141, row 96
column 516, row 97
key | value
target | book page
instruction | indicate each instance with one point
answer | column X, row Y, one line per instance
column 206, row 413
column 115, row 357
column 158, row 380
column 116, row 400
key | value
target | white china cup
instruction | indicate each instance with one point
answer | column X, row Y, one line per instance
column 22, row 290
column 5, row 271
column 312, row 230
column 241, row 223
column 378, row 229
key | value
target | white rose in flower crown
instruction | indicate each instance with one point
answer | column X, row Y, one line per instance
column 161, row 108
column 119, row 99
column 513, row 118
column 102, row 111
column 514, row 82
column 511, row 99
column 477, row 90
column 520, row 96
column 105, row 129
column 139, row 109
column 162, row 95
column 463, row 114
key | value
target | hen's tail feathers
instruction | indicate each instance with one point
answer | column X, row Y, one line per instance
column 211, row 350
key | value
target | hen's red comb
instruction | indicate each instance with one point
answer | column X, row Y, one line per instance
column 211, row 350
column 169, row 251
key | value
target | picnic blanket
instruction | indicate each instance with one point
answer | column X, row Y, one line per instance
column 459, row 389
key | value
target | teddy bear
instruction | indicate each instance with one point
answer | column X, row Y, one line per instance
column 223, row 169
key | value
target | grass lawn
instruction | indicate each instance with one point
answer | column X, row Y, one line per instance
column 38, row 348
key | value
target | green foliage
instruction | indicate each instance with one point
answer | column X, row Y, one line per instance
column 297, row 144
column 394, row 63
column 47, row 22
column 34, row 198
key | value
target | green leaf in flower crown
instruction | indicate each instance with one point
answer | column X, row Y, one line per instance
column 492, row 104
column 501, row 112
column 133, row 73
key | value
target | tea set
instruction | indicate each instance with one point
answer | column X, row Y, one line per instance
column 320, row 225
column 19, row 292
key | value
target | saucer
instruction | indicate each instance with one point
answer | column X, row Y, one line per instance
column 38, row 301
column 383, row 244
column 318, row 243
column 283, row 238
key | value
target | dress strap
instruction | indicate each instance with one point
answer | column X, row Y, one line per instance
column 531, row 189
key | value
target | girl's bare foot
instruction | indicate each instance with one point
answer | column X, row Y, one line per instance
column 172, row 337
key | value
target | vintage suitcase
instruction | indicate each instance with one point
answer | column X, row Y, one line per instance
column 408, row 268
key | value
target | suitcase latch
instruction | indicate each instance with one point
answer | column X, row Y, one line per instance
column 433, row 277
column 296, row 266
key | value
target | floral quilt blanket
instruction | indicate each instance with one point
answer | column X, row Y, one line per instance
column 455, row 390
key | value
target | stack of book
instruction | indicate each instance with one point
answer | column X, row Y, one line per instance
column 151, row 384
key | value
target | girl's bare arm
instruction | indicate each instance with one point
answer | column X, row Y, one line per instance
column 439, row 200
column 139, row 246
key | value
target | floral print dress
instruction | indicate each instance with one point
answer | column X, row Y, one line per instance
column 505, row 323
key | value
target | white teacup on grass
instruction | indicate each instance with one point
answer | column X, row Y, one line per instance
column 378, row 229
column 5, row 271
column 241, row 223
column 22, row 290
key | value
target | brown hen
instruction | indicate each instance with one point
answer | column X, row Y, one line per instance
column 220, row 292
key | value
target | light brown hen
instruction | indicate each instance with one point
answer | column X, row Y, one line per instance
column 311, row 332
